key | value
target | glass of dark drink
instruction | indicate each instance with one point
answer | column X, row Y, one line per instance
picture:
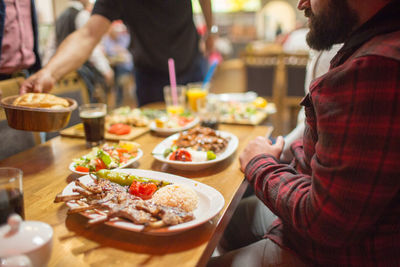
column 93, row 117
column 11, row 193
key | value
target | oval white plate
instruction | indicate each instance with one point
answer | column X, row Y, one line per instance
column 235, row 97
column 158, row 152
column 210, row 202
column 129, row 162
column 169, row 131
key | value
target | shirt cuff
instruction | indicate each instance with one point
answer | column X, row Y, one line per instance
column 258, row 161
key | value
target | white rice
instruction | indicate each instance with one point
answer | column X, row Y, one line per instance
column 176, row 195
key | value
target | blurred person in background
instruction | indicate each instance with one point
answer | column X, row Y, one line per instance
column 296, row 41
column 115, row 45
column 161, row 30
column 19, row 55
column 338, row 203
column 96, row 72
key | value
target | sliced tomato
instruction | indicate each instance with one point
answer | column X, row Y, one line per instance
column 81, row 169
column 181, row 155
column 100, row 165
column 182, row 121
column 119, row 129
column 123, row 159
column 142, row 190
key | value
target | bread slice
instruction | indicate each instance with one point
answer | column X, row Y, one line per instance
column 41, row 100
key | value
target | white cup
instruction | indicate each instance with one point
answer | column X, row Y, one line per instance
column 25, row 243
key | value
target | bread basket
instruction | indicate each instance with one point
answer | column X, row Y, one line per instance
column 37, row 119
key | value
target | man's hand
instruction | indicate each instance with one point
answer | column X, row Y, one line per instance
column 260, row 145
column 40, row 82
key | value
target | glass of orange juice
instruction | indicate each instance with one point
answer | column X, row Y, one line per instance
column 175, row 105
column 195, row 94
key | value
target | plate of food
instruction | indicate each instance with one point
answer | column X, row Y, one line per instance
column 129, row 116
column 173, row 123
column 196, row 149
column 107, row 156
column 242, row 108
column 144, row 201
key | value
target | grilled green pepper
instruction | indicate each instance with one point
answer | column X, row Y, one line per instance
column 127, row 179
column 115, row 177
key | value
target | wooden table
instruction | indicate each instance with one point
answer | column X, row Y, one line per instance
column 46, row 173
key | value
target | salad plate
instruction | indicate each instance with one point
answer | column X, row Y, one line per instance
column 107, row 156
column 165, row 131
column 210, row 202
column 126, row 164
column 159, row 150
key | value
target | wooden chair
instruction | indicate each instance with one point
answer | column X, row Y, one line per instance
column 292, row 90
column 261, row 71
column 73, row 85
column 279, row 77
column 13, row 141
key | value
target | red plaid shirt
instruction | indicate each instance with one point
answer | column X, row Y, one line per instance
column 340, row 205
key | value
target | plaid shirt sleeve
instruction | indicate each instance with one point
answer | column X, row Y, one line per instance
column 354, row 158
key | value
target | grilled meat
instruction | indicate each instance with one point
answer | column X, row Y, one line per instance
column 110, row 200
column 202, row 139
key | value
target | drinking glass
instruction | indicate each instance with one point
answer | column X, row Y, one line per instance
column 208, row 112
column 196, row 93
column 11, row 193
column 175, row 106
column 93, row 118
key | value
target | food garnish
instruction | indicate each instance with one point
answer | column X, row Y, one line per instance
column 181, row 155
column 122, row 178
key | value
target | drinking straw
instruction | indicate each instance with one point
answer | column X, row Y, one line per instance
column 172, row 80
column 210, row 73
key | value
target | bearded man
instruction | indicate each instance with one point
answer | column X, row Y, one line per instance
column 338, row 203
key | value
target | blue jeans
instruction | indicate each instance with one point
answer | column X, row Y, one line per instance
column 149, row 85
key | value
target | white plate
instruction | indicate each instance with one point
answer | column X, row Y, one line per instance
column 129, row 162
column 235, row 97
column 169, row 131
column 210, row 202
column 158, row 152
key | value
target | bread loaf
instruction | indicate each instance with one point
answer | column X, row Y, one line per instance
column 41, row 100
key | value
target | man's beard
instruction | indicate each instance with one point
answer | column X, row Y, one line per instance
column 332, row 26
